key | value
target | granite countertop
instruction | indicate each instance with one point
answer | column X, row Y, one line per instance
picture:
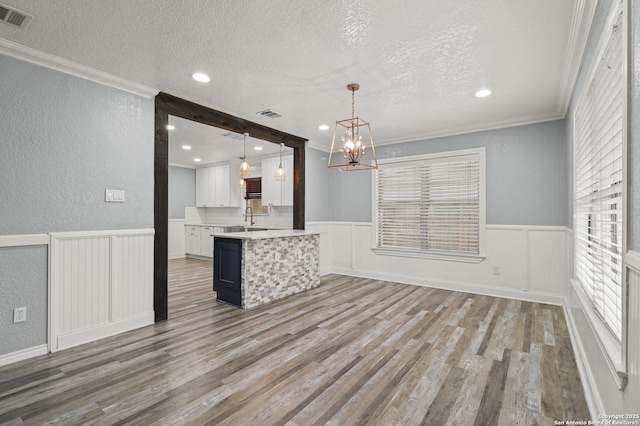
column 271, row 233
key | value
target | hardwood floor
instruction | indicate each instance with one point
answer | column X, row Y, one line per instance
column 352, row 351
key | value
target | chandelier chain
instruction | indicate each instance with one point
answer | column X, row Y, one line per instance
column 353, row 103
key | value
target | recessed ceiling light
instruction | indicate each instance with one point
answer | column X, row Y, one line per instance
column 197, row 159
column 187, row 147
column 258, row 148
column 171, row 127
column 202, row 78
column 323, row 127
column 483, row 93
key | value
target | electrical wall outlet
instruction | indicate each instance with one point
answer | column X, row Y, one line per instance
column 20, row 314
column 496, row 270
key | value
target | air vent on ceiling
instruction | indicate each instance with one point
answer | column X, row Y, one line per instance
column 14, row 17
column 269, row 113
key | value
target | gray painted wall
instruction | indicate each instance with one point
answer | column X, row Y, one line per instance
column 65, row 141
column 182, row 190
column 317, row 186
column 23, row 289
column 526, row 174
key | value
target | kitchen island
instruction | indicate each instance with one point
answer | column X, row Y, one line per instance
column 252, row 268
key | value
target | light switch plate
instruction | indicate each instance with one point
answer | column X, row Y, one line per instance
column 114, row 196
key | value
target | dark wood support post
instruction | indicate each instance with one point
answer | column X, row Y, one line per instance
column 161, row 214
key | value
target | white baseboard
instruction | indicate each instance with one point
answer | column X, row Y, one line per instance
column 591, row 394
column 528, row 296
column 176, row 255
column 23, row 354
column 101, row 331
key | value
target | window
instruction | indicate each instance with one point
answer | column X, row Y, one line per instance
column 599, row 143
column 431, row 205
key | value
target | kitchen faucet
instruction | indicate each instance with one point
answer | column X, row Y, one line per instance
column 245, row 215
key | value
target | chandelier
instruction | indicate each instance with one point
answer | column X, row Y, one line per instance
column 244, row 171
column 356, row 135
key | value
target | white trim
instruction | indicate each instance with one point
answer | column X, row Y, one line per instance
column 23, row 354
column 105, row 330
column 474, row 288
column 106, row 233
column 449, row 257
column 632, row 260
column 24, row 240
column 177, row 220
column 583, row 13
column 611, row 349
column 589, row 384
column 46, row 60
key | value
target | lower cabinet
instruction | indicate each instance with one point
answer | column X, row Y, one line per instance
column 192, row 239
column 198, row 240
column 227, row 273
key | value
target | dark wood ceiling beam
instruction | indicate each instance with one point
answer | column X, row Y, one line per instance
column 198, row 113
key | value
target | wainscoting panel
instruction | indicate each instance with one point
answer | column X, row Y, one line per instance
column 101, row 283
column 526, row 263
column 325, row 244
column 132, row 270
column 547, row 260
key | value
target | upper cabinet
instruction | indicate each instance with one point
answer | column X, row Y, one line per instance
column 215, row 187
column 277, row 193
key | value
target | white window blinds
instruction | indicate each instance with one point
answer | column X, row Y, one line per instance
column 598, row 146
column 431, row 205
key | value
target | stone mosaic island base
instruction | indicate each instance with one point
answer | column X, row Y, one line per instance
column 254, row 268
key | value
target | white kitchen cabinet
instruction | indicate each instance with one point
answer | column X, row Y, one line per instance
column 205, row 187
column 192, row 240
column 223, row 189
column 198, row 240
column 206, row 241
column 277, row 193
column 215, row 187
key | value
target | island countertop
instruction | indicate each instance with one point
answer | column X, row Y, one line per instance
column 270, row 233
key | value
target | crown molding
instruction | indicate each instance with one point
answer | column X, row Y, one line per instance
column 46, row 60
column 581, row 21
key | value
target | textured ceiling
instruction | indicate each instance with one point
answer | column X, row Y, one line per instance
column 418, row 62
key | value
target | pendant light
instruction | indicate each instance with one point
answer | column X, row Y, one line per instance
column 356, row 136
column 245, row 170
column 280, row 175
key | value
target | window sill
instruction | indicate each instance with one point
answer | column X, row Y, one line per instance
column 450, row 257
column 609, row 345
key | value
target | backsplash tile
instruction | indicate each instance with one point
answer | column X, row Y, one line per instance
column 281, row 217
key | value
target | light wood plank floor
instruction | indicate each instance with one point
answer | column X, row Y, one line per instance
column 352, row 351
